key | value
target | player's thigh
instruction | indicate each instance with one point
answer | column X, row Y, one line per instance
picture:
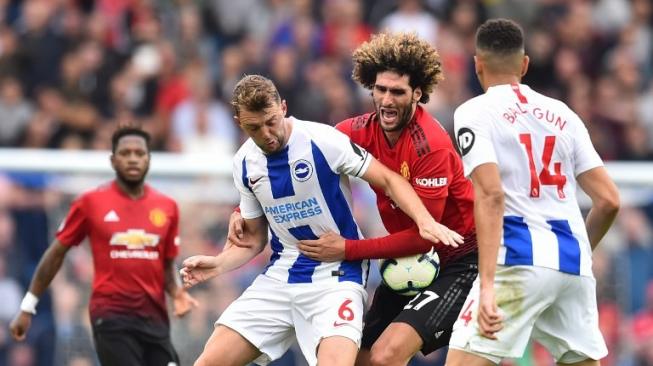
column 262, row 315
column 386, row 305
column 569, row 328
column 337, row 350
column 228, row 348
column 432, row 312
column 332, row 311
column 118, row 348
column 396, row 346
column 522, row 294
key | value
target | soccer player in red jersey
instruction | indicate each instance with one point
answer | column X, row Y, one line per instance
column 133, row 233
column 401, row 70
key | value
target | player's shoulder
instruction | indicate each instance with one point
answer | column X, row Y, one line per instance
column 99, row 192
column 157, row 195
column 356, row 123
column 472, row 107
column 316, row 131
column 428, row 133
column 247, row 148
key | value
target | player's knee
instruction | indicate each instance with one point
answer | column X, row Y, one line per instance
column 385, row 355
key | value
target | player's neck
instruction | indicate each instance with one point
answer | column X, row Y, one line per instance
column 134, row 191
column 392, row 136
column 499, row 79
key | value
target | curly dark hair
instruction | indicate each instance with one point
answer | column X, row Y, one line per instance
column 404, row 53
column 129, row 130
column 500, row 36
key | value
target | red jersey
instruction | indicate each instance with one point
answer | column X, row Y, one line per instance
column 425, row 156
column 130, row 240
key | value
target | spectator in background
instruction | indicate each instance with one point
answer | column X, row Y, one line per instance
column 40, row 47
column 201, row 123
column 15, row 110
column 411, row 16
column 29, row 207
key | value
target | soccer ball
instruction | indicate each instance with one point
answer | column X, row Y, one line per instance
column 409, row 275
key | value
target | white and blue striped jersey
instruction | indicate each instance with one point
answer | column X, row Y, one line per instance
column 540, row 146
column 303, row 191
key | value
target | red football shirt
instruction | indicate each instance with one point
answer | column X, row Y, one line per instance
column 425, row 156
column 130, row 239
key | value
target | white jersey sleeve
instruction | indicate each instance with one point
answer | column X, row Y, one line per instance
column 250, row 207
column 344, row 156
column 474, row 138
column 585, row 156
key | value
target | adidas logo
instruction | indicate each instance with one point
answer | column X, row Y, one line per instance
column 111, row 216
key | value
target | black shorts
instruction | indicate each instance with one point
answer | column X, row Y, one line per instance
column 431, row 313
column 128, row 341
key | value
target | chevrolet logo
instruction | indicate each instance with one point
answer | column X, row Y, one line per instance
column 135, row 239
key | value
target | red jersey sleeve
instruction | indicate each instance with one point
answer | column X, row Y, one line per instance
column 345, row 127
column 432, row 174
column 74, row 227
column 172, row 240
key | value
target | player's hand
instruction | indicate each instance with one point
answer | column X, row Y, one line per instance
column 236, row 234
column 20, row 325
column 183, row 302
column 198, row 269
column 330, row 247
column 438, row 233
column 489, row 319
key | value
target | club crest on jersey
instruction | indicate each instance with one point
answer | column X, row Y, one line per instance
column 465, row 140
column 302, row 170
column 405, row 172
column 158, row 217
column 135, row 239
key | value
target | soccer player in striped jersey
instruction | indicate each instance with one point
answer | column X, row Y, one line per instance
column 526, row 153
column 292, row 178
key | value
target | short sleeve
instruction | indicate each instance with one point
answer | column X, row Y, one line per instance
column 343, row 155
column 250, row 207
column 474, row 138
column 432, row 174
column 585, row 155
column 74, row 228
column 172, row 238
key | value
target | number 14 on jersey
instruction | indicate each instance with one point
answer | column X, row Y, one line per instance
column 545, row 177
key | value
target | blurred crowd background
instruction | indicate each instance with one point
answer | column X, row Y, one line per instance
column 71, row 70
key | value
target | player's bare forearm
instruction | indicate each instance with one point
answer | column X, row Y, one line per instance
column 255, row 233
column 605, row 202
column 398, row 189
column 488, row 217
column 172, row 281
column 48, row 267
column 598, row 222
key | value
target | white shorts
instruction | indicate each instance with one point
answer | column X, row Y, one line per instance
column 556, row 309
column 270, row 314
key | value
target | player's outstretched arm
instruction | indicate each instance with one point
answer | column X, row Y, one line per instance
column 200, row 268
column 403, row 194
column 605, row 202
column 182, row 301
column 47, row 268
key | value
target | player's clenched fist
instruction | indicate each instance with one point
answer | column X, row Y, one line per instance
column 20, row 325
column 198, row 269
